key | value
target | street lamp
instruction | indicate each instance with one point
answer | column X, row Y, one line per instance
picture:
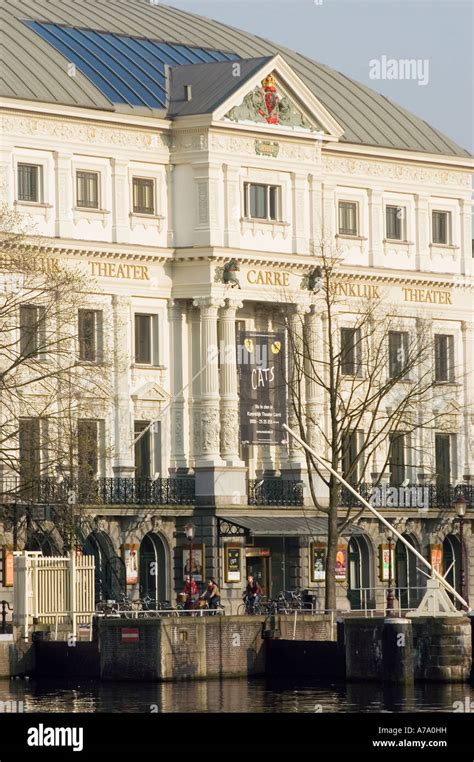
column 390, row 593
column 190, row 531
column 460, row 505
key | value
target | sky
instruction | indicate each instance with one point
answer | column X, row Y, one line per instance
column 356, row 37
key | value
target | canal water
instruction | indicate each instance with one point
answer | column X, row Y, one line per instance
column 234, row 695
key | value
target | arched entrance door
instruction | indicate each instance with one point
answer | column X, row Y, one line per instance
column 407, row 578
column 452, row 564
column 153, row 567
column 360, row 590
column 40, row 541
column 109, row 567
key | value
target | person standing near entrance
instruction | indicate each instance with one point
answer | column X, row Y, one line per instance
column 252, row 594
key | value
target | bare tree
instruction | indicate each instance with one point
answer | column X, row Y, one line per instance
column 47, row 384
column 356, row 387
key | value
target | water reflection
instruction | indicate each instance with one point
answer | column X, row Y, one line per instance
column 239, row 695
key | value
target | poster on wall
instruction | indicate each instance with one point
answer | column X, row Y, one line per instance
column 232, row 563
column 385, row 562
column 130, row 553
column 198, row 568
column 7, row 567
column 318, row 562
column 341, row 562
column 261, row 365
column 436, row 558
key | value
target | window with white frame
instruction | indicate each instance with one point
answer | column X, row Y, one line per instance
column 32, row 331
column 441, row 227
column 351, row 457
column 350, row 356
column 395, row 223
column 398, row 346
column 87, row 189
column 90, row 333
column 143, row 195
column 147, row 449
column 30, row 180
column 146, row 339
column 444, row 357
column 262, row 202
column 348, row 218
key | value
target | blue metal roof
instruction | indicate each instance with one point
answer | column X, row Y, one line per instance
column 128, row 70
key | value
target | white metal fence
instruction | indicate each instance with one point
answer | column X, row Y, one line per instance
column 52, row 590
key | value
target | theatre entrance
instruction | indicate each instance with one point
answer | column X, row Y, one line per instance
column 258, row 565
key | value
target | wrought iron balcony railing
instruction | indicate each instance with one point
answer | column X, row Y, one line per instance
column 413, row 496
column 274, row 492
column 101, row 491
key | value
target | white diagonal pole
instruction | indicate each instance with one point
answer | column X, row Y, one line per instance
column 381, row 518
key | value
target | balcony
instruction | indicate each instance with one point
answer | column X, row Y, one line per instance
column 415, row 496
column 101, row 491
column 274, row 492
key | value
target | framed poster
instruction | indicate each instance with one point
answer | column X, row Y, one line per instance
column 318, row 562
column 232, row 563
column 436, row 558
column 341, row 562
column 199, row 570
column 7, row 566
column 384, row 562
column 130, row 557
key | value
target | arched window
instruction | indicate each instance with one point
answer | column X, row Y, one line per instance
column 409, row 583
column 153, row 568
column 360, row 588
column 109, row 567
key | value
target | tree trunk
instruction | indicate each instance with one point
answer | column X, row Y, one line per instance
column 333, row 538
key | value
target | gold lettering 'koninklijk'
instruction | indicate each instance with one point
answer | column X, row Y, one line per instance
column 119, row 270
column 364, row 290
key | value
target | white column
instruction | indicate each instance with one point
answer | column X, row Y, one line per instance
column 329, row 217
column 467, row 366
column 121, row 206
column 314, row 368
column 231, row 205
column 210, row 399
column 124, row 456
column 315, row 214
column 466, row 236
column 7, row 180
column 299, row 187
column 169, row 204
column 296, row 378
column 230, row 424
column 376, row 228
column 63, row 196
column 422, row 238
column 179, row 432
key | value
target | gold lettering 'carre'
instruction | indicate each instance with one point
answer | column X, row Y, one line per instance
column 268, row 278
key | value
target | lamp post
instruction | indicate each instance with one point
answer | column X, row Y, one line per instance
column 390, row 594
column 460, row 505
column 190, row 531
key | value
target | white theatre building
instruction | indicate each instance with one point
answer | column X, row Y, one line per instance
column 192, row 171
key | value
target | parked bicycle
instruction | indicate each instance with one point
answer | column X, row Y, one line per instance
column 251, row 605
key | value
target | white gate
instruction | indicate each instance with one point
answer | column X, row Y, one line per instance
column 52, row 590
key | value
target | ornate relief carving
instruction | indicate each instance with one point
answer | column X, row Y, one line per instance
column 210, row 425
column 230, row 430
column 82, row 133
column 422, row 175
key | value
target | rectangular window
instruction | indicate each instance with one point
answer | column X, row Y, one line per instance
column 397, row 353
column 443, row 460
column 350, row 452
column 87, row 449
column 395, row 223
column 90, row 335
column 261, row 202
column 348, row 218
column 146, row 339
column 350, row 352
column 143, row 195
column 396, row 459
column 444, row 357
column 32, row 331
column 29, row 450
column 87, row 189
column 29, row 182
column 148, row 450
column 441, row 227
